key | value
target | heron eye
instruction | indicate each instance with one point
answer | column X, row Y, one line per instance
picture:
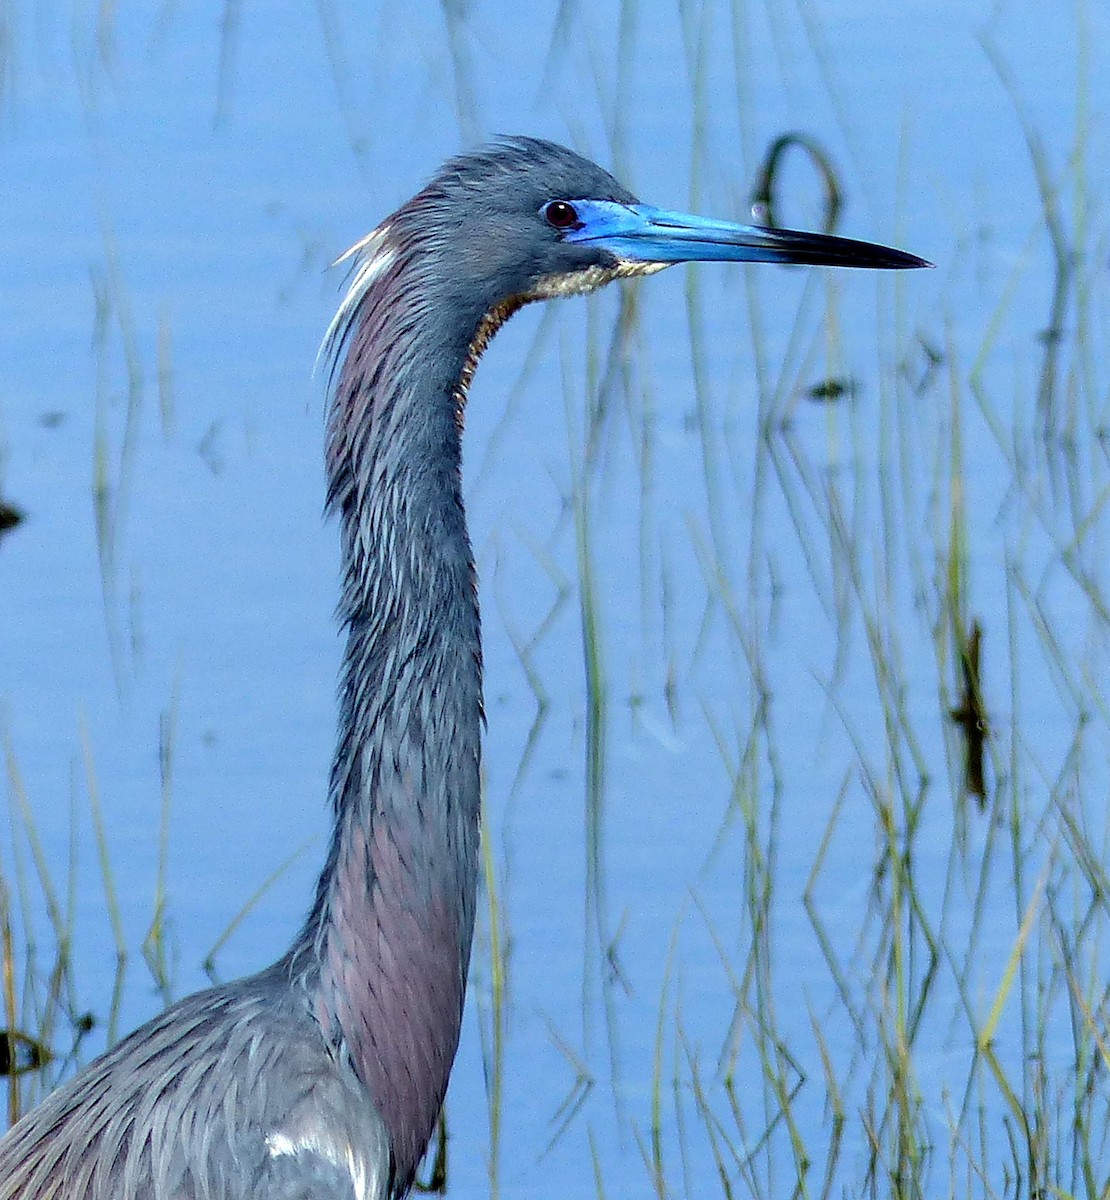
column 561, row 215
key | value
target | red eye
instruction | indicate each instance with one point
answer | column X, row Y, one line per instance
column 561, row 215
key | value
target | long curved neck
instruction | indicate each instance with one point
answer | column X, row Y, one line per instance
column 390, row 933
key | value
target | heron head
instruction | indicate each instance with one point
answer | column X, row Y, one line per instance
column 530, row 219
column 525, row 219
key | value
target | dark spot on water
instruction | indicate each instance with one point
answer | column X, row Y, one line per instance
column 829, row 391
column 10, row 516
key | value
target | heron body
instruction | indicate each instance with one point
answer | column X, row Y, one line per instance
column 322, row 1076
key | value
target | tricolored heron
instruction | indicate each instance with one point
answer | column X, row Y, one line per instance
column 322, row 1076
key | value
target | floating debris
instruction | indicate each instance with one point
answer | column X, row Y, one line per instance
column 10, row 516
column 971, row 717
column 830, row 391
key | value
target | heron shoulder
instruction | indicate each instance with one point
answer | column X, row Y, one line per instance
column 227, row 1095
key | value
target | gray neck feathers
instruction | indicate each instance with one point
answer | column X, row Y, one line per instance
column 386, row 948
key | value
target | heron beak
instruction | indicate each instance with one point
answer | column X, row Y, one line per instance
column 642, row 234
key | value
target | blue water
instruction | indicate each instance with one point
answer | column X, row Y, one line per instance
column 163, row 251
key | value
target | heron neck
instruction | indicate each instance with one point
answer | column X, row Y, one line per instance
column 389, row 936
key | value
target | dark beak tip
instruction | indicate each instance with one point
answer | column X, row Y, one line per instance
column 903, row 261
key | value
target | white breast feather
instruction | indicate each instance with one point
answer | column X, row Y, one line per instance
column 341, row 1156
